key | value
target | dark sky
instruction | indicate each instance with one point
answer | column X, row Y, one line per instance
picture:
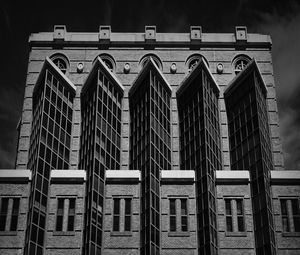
column 280, row 19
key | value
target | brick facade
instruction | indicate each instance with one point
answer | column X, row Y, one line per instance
column 177, row 185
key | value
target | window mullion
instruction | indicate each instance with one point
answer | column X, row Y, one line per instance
column 65, row 214
column 290, row 215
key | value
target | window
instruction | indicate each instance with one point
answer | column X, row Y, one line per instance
column 65, row 208
column 181, row 215
column 156, row 60
column 234, row 214
column 108, row 61
column 193, row 61
column 240, row 62
column 61, row 62
column 290, row 215
column 122, row 205
column 9, row 206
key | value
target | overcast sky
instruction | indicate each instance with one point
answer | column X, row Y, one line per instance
column 280, row 19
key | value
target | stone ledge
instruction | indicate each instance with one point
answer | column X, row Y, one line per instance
column 14, row 175
column 177, row 176
column 68, row 176
column 123, row 176
column 285, row 177
column 232, row 176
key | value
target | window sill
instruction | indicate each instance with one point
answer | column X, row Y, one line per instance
column 174, row 234
column 125, row 233
column 63, row 233
column 237, row 234
column 8, row 233
column 291, row 234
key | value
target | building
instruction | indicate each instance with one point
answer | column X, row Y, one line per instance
column 149, row 143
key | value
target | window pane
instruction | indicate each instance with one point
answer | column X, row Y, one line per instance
column 184, row 223
column 127, row 223
column 241, row 224
column 172, row 223
column 283, row 207
column 228, row 206
column 295, row 207
column 127, row 206
column 116, row 224
column 172, row 207
column 229, row 224
column 3, row 213
column 72, row 206
column 59, row 223
column 239, row 206
column 71, row 223
column 297, row 224
column 183, row 207
column 285, row 224
column 116, row 206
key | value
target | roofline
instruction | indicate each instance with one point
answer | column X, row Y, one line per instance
column 192, row 75
column 48, row 63
column 99, row 63
column 162, row 39
column 243, row 75
column 150, row 63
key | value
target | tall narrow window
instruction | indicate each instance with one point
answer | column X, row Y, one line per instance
column 116, row 216
column 240, row 214
column 172, row 215
column 184, row 215
column 14, row 214
column 228, row 211
column 60, row 214
column 71, row 215
column 127, row 226
column 3, row 213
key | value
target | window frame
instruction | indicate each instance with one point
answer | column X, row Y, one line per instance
column 9, row 214
column 65, row 227
column 235, row 216
column 122, row 216
column 289, row 215
column 177, row 214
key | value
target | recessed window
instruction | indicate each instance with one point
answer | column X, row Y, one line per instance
column 65, row 208
column 194, row 60
column 240, row 62
column 155, row 58
column 234, row 214
column 61, row 62
column 6, row 210
column 108, row 61
column 122, row 205
column 181, row 215
column 290, row 215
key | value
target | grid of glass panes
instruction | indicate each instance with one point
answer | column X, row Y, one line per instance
column 100, row 149
column 49, row 149
column 250, row 148
column 150, row 144
column 200, row 150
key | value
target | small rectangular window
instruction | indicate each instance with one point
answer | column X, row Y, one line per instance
column 65, row 208
column 184, row 215
column 240, row 215
column 71, row 215
column 228, row 212
column 15, row 214
column 234, row 209
column 5, row 211
column 60, row 214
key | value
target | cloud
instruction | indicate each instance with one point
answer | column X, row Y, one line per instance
column 284, row 30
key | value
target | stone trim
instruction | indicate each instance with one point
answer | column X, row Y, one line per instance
column 232, row 176
column 285, row 177
column 13, row 175
column 178, row 176
column 68, row 176
column 123, row 176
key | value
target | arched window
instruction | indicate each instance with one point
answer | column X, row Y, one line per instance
column 108, row 61
column 193, row 60
column 155, row 58
column 240, row 62
column 61, row 61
